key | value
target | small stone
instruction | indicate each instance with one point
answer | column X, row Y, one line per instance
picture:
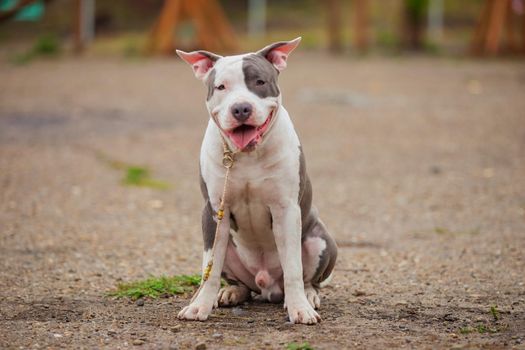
column 138, row 342
column 201, row 346
column 173, row 347
column 216, row 335
column 140, row 302
column 176, row 328
column 237, row 311
column 112, row 332
column 156, row 204
column 358, row 293
column 435, row 169
column 450, row 318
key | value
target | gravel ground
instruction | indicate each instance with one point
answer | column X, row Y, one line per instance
column 418, row 171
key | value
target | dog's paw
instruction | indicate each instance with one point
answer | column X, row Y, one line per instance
column 233, row 295
column 300, row 311
column 196, row 311
column 312, row 295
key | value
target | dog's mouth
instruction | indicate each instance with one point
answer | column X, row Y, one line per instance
column 246, row 137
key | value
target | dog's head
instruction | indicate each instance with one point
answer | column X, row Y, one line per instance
column 243, row 96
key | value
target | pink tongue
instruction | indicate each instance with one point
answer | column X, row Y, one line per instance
column 243, row 137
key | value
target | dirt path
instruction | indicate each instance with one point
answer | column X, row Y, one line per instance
column 418, row 170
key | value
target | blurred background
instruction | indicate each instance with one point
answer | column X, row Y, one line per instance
column 411, row 117
column 145, row 27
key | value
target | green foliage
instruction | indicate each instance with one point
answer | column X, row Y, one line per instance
column 46, row 45
column 297, row 346
column 388, row 39
column 156, row 286
column 416, row 8
column 132, row 48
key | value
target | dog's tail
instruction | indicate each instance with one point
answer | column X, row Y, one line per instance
column 326, row 281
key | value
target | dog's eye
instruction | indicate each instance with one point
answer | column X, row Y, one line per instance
column 221, row 87
column 260, row 82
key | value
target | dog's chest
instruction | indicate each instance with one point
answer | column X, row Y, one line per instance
column 255, row 186
column 249, row 202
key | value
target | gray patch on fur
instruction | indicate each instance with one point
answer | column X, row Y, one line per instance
column 256, row 67
column 210, row 82
column 213, row 57
column 313, row 227
column 208, row 224
column 305, row 194
column 328, row 256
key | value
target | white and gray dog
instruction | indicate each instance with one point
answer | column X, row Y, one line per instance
column 271, row 240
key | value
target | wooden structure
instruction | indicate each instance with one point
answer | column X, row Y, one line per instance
column 360, row 25
column 498, row 30
column 214, row 32
column 83, row 24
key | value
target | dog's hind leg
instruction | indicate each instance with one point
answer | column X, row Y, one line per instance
column 239, row 280
column 319, row 253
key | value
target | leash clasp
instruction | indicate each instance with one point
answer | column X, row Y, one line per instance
column 227, row 159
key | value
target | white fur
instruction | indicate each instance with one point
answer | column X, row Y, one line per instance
column 228, row 72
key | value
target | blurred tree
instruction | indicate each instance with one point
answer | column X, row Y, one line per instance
column 361, row 24
column 496, row 16
column 414, row 16
column 333, row 20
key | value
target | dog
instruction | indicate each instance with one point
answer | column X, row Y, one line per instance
column 270, row 240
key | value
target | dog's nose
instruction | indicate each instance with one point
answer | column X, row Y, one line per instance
column 241, row 111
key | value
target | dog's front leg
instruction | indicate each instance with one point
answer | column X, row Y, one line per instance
column 287, row 232
column 202, row 305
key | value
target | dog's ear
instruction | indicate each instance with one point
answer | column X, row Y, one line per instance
column 277, row 53
column 200, row 61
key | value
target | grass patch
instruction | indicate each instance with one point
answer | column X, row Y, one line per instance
column 140, row 176
column 495, row 326
column 494, row 312
column 155, row 287
column 480, row 328
column 134, row 175
column 297, row 346
column 47, row 45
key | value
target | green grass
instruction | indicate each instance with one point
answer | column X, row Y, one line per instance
column 480, row 328
column 494, row 312
column 140, row 176
column 134, row 175
column 154, row 287
column 297, row 346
